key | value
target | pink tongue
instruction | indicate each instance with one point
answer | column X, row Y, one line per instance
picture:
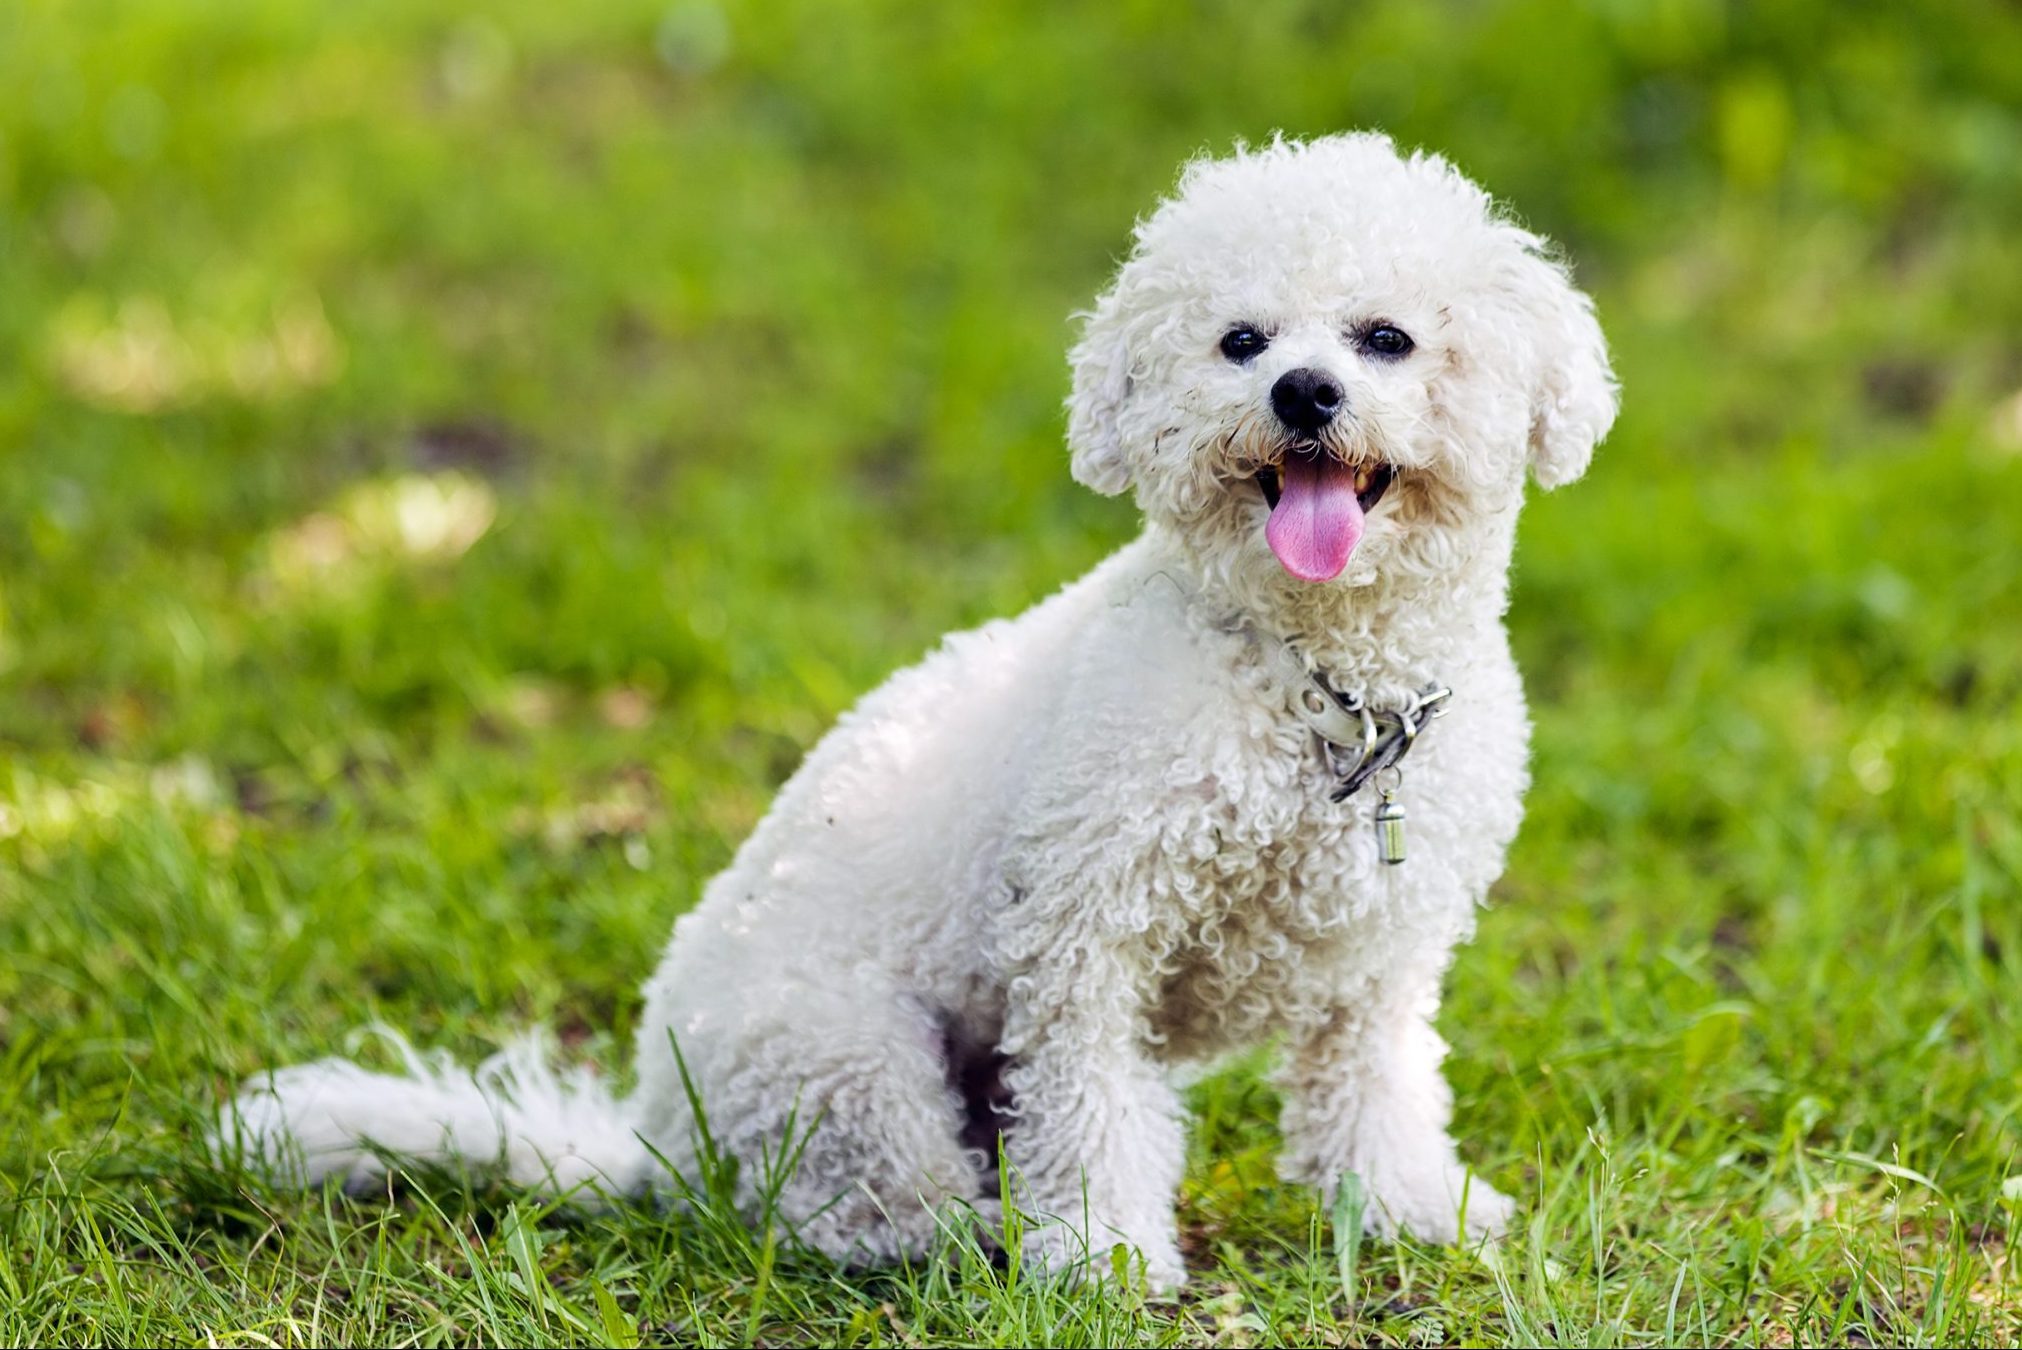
column 1317, row 521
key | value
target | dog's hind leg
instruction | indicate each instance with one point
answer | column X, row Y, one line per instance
column 839, row 1109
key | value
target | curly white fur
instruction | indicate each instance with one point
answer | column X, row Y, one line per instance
column 1028, row 879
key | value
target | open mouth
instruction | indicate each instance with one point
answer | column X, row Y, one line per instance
column 1371, row 481
column 1318, row 504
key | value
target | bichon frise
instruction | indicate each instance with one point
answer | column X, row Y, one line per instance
column 1248, row 779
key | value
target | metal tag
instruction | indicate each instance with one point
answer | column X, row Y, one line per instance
column 1390, row 828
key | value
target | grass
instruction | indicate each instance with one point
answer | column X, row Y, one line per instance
column 454, row 466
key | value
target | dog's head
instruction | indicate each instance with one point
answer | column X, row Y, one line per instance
column 1334, row 354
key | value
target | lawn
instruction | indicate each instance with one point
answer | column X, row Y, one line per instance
column 453, row 465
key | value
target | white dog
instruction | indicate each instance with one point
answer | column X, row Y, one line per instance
column 1069, row 854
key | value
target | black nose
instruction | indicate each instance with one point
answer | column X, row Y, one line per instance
column 1306, row 399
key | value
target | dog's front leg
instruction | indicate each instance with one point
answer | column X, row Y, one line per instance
column 1096, row 1145
column 1364, row 1094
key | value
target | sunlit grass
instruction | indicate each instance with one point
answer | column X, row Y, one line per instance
column 452, row 467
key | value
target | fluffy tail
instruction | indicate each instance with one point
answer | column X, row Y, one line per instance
column 514, row 1115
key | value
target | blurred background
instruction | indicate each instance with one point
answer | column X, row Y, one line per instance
column 454, row 461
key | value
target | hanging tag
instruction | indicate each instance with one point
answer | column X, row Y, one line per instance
column 1390, row 828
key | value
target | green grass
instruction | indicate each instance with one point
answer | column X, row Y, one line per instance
column 451, row 468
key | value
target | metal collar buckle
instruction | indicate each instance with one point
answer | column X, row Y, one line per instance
column 1357, row 741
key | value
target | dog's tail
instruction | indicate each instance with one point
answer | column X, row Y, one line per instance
column 514, row 1116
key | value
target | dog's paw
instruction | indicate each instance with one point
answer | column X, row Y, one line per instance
column 1447, row 1205
column 1057, row 1251
column 1487, row 1211
column 978, row 1223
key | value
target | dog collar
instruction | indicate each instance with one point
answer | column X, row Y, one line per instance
column 1357, row 742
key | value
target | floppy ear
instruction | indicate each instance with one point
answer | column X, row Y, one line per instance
column 1574, row 398
column 1101, row 363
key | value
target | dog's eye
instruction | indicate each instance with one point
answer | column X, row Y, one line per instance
column 1385, row 339
column 1243, row 342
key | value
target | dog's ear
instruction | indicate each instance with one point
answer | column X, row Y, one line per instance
column 1573, row 399
column 1101, row 364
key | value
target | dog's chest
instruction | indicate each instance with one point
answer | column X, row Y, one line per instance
column 1277, row 901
